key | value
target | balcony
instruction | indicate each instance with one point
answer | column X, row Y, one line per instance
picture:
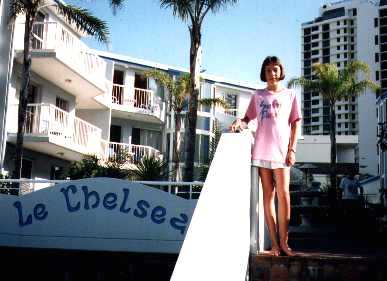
column 55, row 132
column 111, row 150
column 60, row 57
column 138, row 104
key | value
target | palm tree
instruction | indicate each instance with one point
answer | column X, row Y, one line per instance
column 334, row 85
column 84, row 21
column 178, row 93
column 193, row 11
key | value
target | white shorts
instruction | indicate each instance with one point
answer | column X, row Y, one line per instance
column 269, row 164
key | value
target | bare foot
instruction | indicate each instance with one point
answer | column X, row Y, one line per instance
column 275, row 251
column 287, row 251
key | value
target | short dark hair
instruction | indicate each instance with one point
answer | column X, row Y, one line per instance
column 268, row 60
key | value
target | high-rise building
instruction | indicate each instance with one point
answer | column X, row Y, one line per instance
column 344, row 31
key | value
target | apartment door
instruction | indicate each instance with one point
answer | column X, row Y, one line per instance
column 115, row 133
column 140, row 97
column 32, row 117
column 136, row 132
column 38, row 32
column 118, row 87
column 115, row 136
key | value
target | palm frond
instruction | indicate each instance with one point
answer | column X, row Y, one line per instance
column 214, row 6
column 181, row 8
column 84, row 21
column 161, row 77
column 215, row 101
column 116, row 4
column 309, row 85
column 16, row 7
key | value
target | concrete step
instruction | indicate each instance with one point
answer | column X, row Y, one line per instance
column 318, row 266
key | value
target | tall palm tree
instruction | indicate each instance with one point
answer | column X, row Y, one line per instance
column 194, row 12
column 83, row 20
column 334, row 85
column 178, row 93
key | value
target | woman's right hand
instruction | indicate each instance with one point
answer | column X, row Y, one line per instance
column 238, row 126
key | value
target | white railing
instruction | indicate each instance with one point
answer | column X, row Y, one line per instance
column 62, row 128
column 187, row 190
column 50, row 36
column 133, row 97
column 111, row 150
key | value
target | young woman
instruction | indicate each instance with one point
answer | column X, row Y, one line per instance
column 278, row 116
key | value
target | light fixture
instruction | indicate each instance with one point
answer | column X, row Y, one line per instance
column 67, row 80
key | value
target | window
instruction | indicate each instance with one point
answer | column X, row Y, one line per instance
column 376, row 57
column 338, row 64
column 353, row 99
column 339, row 107
column 377, row 75
column 346, row 115
column 345, row 39
column 376, row 40
column 375, row 22
column 339, row 116
column 346, row 125
column 26, row 169
column 345, row 22
column 352, row 39
column 353, row 116
column 231, row 101
column 338, row 56
column 338, row 125
column 338, row 48
column 345, row 30
column 345, row 55
column 315, row 102
column 338, row 31
column 338, row 23
column 354, row 12
column 353, row 125
column 352, row 55
column 353, row 108
column 352, row 30
column 338, row 39
column 62, row 104
column 345, row 47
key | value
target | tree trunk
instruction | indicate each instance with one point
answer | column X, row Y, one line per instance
column 23, row 95
column 190, row 136
column 176, row 144
column 333, row 168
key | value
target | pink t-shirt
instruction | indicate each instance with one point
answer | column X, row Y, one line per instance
column 275, row 112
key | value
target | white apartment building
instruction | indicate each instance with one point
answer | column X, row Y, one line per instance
column 343, row 31
column 82, row 101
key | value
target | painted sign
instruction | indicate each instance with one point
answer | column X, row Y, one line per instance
column 96, row 214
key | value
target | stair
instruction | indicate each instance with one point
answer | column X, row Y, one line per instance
column 318, row 266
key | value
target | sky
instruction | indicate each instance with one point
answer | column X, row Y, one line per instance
column 235, row 40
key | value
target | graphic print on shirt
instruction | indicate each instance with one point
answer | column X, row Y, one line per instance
column 269, row 110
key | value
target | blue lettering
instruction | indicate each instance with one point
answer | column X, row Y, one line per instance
column 109, row 201
column 88, row 195
column 40, row 212
column 142, row 212
column 126, row 195
column 19, row 208
column 158, row 214
column 65, row 192
column 179, row 223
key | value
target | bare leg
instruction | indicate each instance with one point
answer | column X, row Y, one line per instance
column 266, row 176
column 282, row 178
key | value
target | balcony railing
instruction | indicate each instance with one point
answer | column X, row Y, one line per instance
column 135, row 98
column 61, row 127
column 52, row 36
column 114, row 150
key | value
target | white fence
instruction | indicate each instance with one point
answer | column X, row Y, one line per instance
column 187, row 190
column 52, row 36
column 111, row 150
column 61, row 127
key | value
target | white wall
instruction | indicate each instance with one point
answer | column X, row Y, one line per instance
column 366, row 50
column 97, row 117
column 316, row 149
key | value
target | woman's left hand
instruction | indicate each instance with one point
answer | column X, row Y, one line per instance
column 291, row 158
